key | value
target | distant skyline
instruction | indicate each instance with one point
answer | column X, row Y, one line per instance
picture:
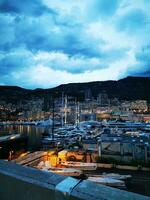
column 45, row 43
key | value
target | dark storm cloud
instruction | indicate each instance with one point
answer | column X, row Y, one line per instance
column 132, row 21
column 26, row 7
column 35, row 35
column 16, row 59
column 74, row 38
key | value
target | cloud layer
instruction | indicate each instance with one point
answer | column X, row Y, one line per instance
column 46, row 43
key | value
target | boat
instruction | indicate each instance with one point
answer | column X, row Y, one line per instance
column 28, row 123
column 9, row 137
column 80, row 165
column 108, row 181
column 147, row 127
column 44, row 123
column 116, row 176
column 66, row 171
column 45, row 166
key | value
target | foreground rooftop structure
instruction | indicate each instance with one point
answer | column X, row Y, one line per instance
column 19, row 182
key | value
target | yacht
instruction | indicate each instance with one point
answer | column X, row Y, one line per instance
column 114, row 176
column 80, row 165
column 108, row 181
column 45, row 166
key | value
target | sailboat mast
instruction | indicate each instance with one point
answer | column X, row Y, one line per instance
column 62, row 110
column 65, row 109
column 77, row 113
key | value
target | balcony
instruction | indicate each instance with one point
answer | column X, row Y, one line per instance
column 23, row 183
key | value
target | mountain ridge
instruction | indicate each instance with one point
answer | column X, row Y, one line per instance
column 129, row 88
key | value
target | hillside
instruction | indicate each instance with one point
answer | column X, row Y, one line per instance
column 129, row 88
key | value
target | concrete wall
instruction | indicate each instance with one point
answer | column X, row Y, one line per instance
column 23, row 183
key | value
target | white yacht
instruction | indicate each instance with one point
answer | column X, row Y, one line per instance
column 107, row 181
column 45, row 166
column 80, row 165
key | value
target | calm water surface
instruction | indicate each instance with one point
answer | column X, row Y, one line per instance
column 34, row 134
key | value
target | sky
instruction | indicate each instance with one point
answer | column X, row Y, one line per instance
column 45, row 43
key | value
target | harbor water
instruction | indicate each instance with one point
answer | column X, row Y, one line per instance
column 34, row 134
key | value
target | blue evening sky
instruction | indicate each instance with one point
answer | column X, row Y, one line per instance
column 44, row 43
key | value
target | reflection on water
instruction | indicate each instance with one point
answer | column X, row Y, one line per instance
column 34, row 134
